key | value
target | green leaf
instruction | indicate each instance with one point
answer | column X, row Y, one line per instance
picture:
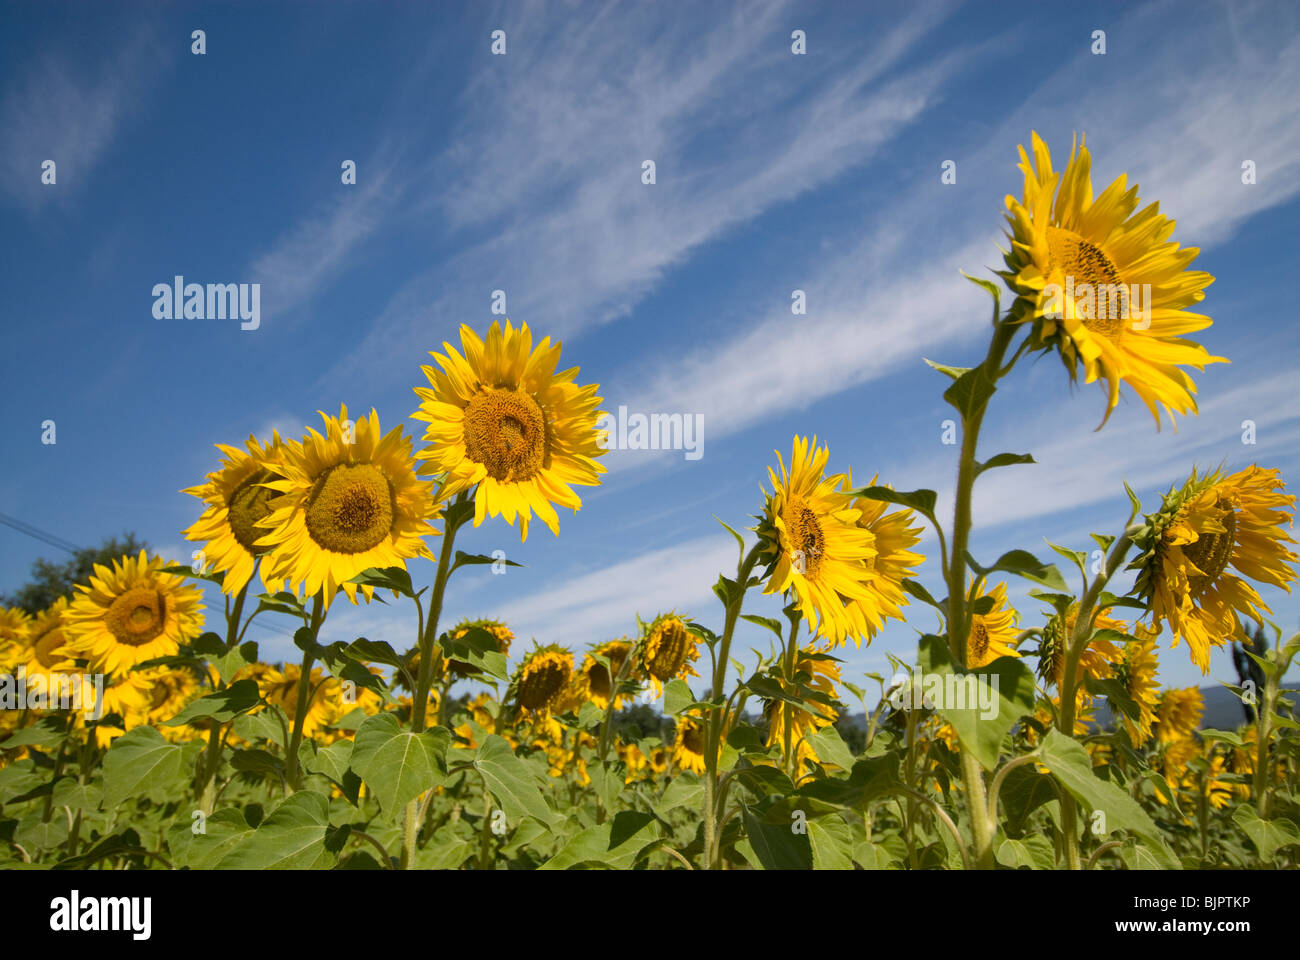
column 617, row 844
column 477, row 559
column 993, row 290
column 914, row 587
column 222, row 706
column 46, row 732
column 831, row 748
column 479, row 649
column 1024, row 564
column 138, row 761
column 831, row 841
column 1069, row 763
column 677, row 697
column 1003, row 460
column 777, row 846
column 388, row 578
column 373, row 651
column 770, row 622
column 398, row 765
column 1005, row 688
column 229, row 664
column 291, row 838
column 952, row 372
column 1268, row 836
column 922, row 501
column 516, row 788
column 1034, row 851
column 971, row 392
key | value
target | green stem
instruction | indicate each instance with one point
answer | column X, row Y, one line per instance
column 304, row 687
column 716, row 720
column 958, row 613
column 427, row 653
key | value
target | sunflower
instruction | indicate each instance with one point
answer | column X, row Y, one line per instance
column 127, row 699
column 1210, row 524
column 499, row 631
column 689, row 743
column 236, row 500
column 167, row 691
column 894, row 537
column 1136, row 671
column 47, row 649
column 15, row 626
column 594, row 679
column 503, row 422
column 1217, row 791
column 669, row 650
column 658, row 760
column 817, row 549
column 1075, row 263
column 1175, row 763
column 633, row 759
column 1097, row 657
column 132, row 612
column 818, row 672
column 1178, row 714
column 542, row 677
column 323, row 706
column 992, row 634
column 345, row 507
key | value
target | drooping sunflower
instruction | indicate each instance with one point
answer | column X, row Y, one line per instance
column 1136, row 670
column 236, row 500
column 633, row 759
column 1175, row 764
column 499, row 631
column 816, row 548
column 1097, row 658
column 595, row 680
column 1178, row 714
column 502, row 421
column 542, row 677
column 668, row 652
column 349, row 500
column 819, row 672
column 992, row 634
column 132, row 612
column 1076, row 263
column 894, row 536
column 1202, row 529
column 689, row 743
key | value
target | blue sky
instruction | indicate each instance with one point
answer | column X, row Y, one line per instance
column 522, row 172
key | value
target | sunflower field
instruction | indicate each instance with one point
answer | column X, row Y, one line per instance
column 144, row 731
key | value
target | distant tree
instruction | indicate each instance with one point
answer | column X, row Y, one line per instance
column 638, row 722
column 853, row 731
column 1248, row 669
column 49, row 580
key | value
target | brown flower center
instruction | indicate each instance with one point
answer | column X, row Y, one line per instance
column 807, row 540
column 506, row 431
column 1087, row 263
column 249, row 503
column 541, row 684
column 669, row 646
column 350, row 508
column 137, row 616
column 1212, row 551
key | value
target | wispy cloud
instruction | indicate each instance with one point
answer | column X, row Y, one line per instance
column 547, row 170
column 71, row 112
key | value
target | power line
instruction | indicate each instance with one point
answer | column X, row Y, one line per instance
column 36, row 533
